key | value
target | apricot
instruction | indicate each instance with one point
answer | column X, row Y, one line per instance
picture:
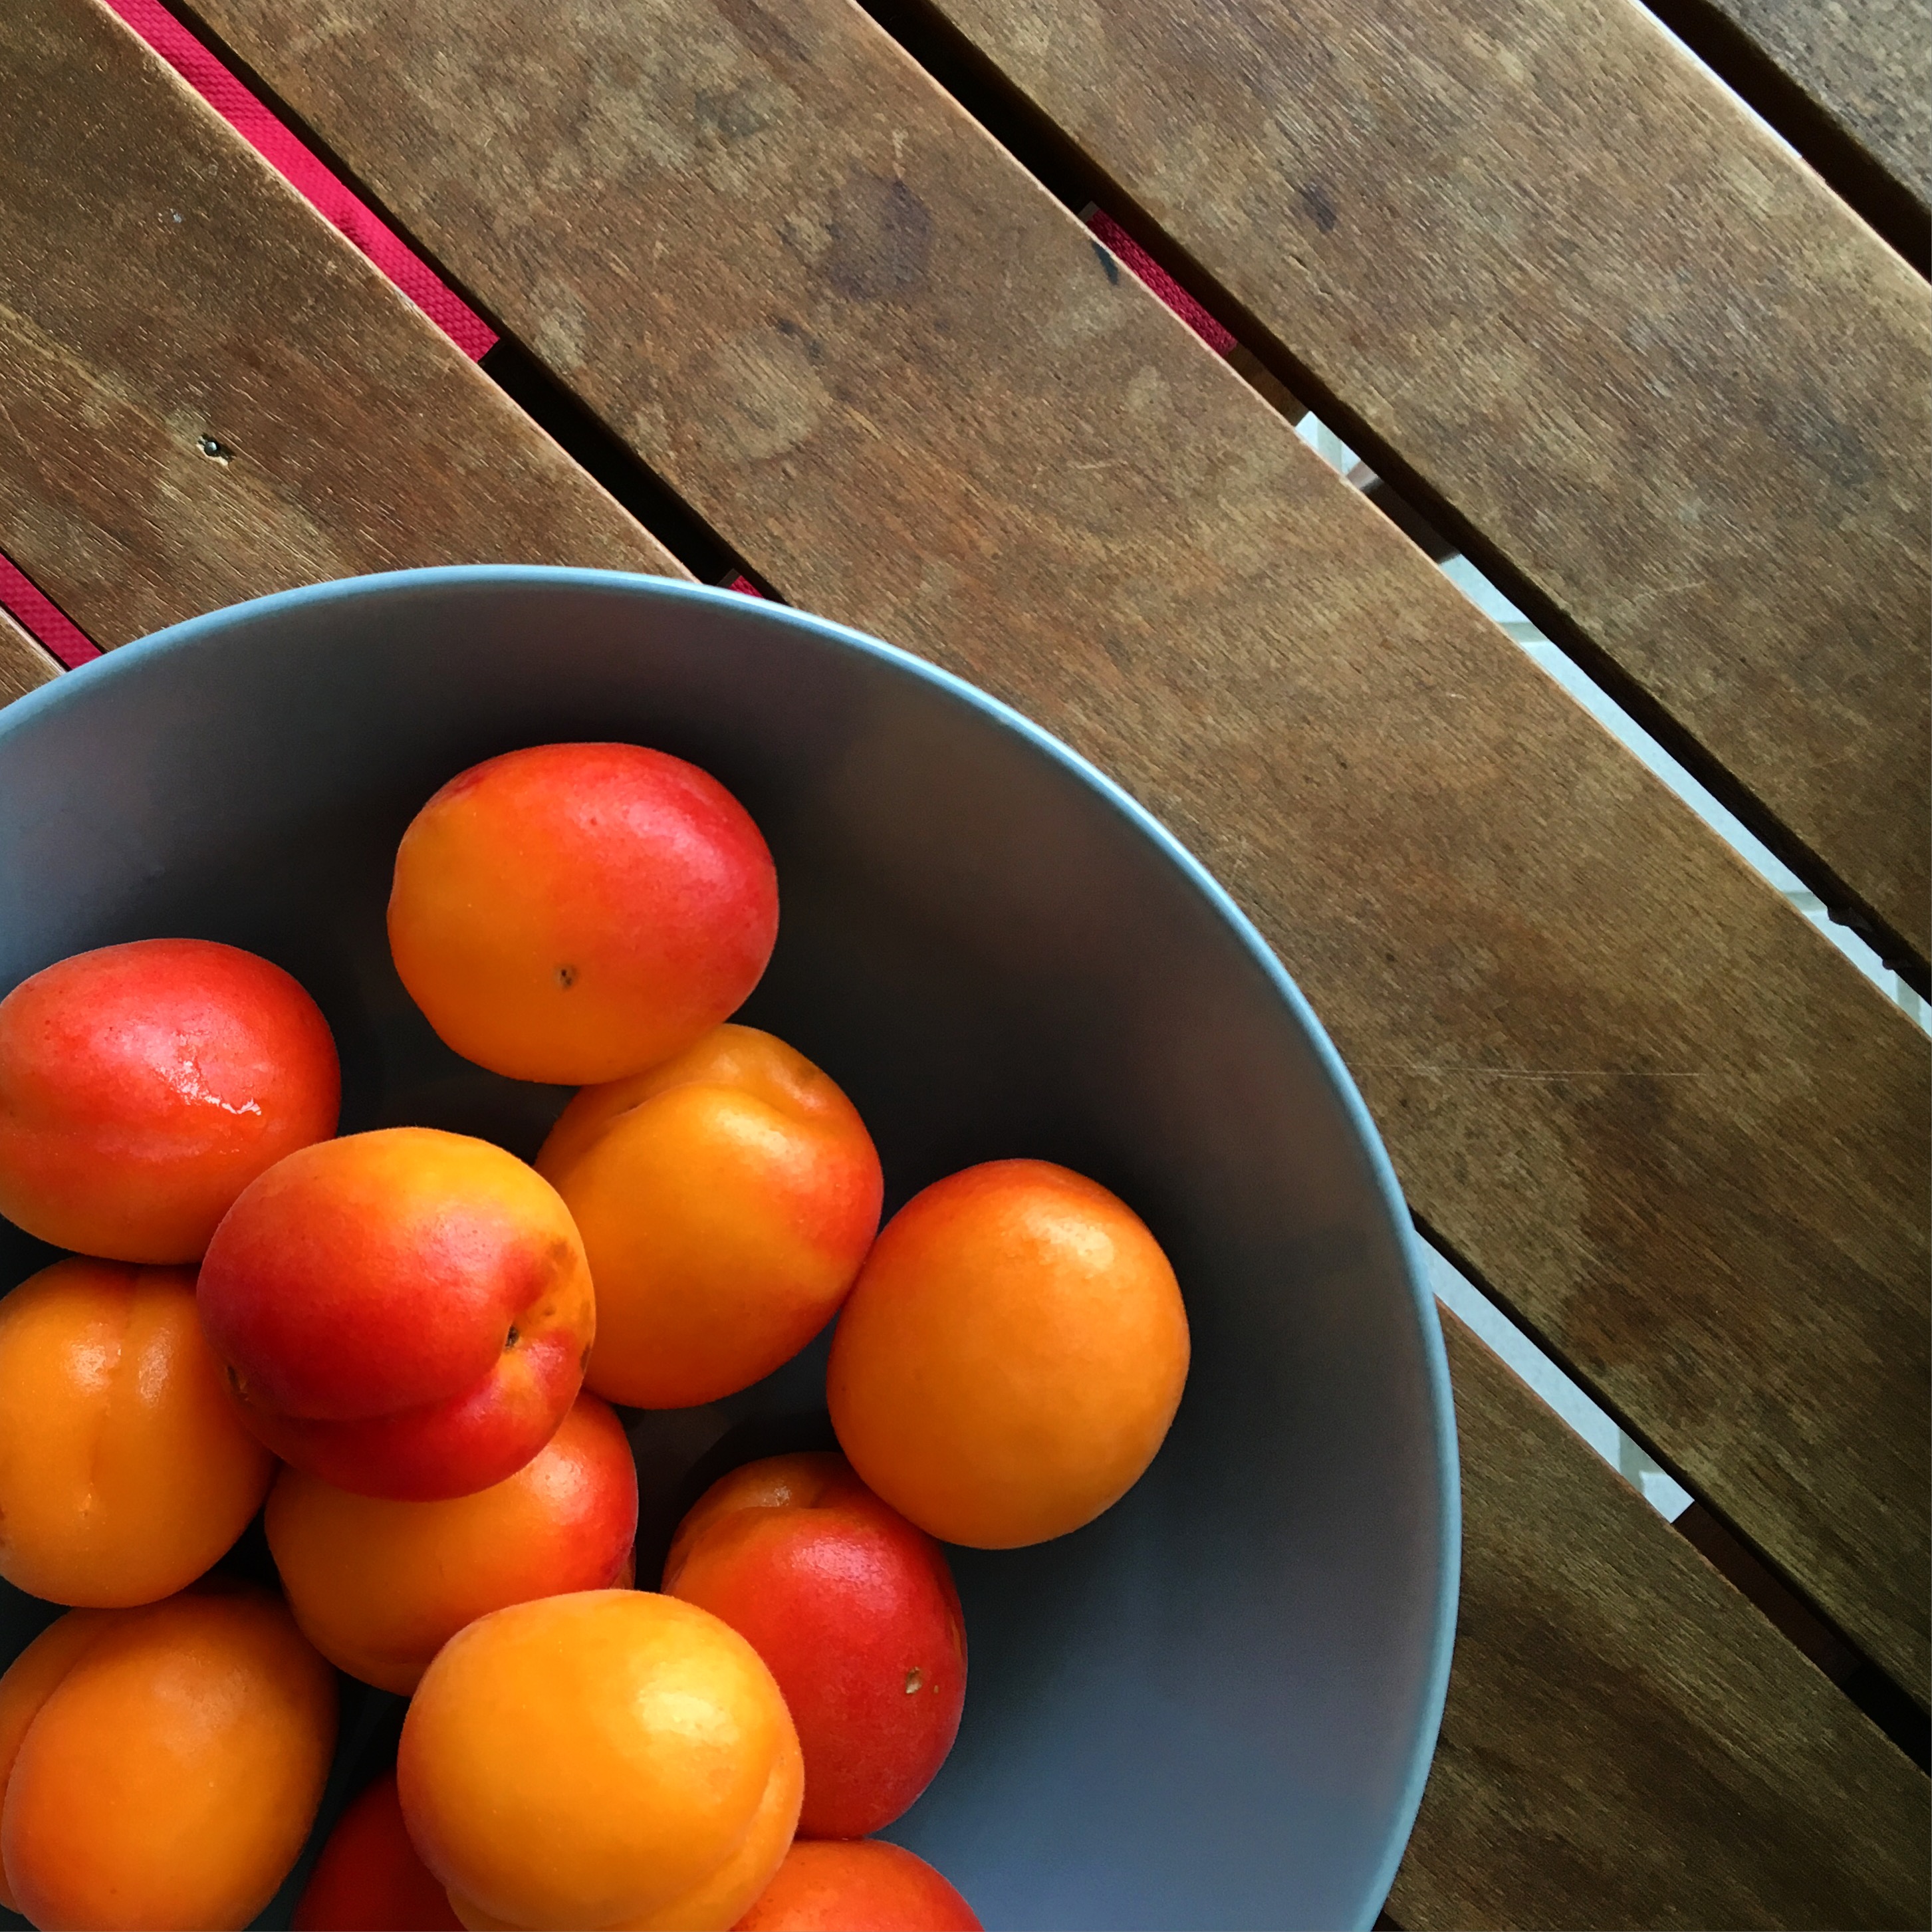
column 404, row 1313
column 613, row 1758
column 726, row 1200
column 576, row 913
column 854, row 1611
column 369, row 1878
column 1010, row 1359
column 378, row 1587
column 125, row 1471
column 162, row 1764
column 860, row 1885
column 142, row 1087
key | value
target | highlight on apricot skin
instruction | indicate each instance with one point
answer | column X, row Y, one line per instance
column 143, row 1086
column 378, row 1587
column 125, row 1471
column 726, row 1200
column 857, row 1885
column 404, row 1313
column 163, row 1764
column 1008, row 1363
column 577, row 913
column 611, row 1759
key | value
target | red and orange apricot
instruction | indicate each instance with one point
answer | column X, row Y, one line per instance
column 726, row 1200
column 577, row 913
column 404, row 1313
column 369, row 1878
column 857, row 1885
column 378, row 1587
column 143, row 1086
column 854, row 1611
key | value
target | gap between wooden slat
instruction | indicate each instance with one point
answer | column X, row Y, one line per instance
column 35, row 615
column 1853, row 173
column 1784, row 1605
column 24, row 665
column 251, row 108
column 683, row 531
column 1601, row 706
column 579, row 434
column 246, row 110
column 1065, row 173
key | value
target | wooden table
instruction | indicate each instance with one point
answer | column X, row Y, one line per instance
column 795, row 288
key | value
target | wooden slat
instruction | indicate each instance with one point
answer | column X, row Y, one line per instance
column 159, row 284
column 1641, row 349
column 1621, row 1747
column 24, row 666
column 1867, row 66
column 1627, row 1083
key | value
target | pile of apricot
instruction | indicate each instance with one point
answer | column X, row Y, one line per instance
column 402, row 1348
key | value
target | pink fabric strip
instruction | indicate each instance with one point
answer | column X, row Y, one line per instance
column 276, row 145
column 43, row 620
column 1144, row 264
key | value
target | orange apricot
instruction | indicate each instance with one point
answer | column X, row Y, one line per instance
column 404, row 1313
column 1010, row 1359
column 369, row 1878
column 125, row 1471
column 378, row 1587
column 143, row 1086
column 169, row 1762
column 613, row 1758
column 576, row 913
column 726, row 1199
column 857, row 1885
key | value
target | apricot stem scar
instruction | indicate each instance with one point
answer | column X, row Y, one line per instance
column 913, row 1679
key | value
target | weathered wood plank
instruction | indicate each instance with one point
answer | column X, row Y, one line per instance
column 1626, row 1082
column 1866, row 64
column 159, row 286
column 1635, row 344
column 24, row 666
column 1621, row 1746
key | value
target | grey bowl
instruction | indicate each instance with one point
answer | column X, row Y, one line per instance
column 1216, row 1706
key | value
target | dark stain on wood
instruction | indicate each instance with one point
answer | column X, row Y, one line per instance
column 881, row 238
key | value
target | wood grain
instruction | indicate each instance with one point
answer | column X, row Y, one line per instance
column 160, row 285
column 1626, row 1082
column 1634, row 343
column 1866, row 64
column 1621, row 1747
column 24, row 665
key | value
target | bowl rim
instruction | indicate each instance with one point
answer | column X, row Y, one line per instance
column 77, row 686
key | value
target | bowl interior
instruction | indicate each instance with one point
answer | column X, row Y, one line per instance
column 1215, row 1705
